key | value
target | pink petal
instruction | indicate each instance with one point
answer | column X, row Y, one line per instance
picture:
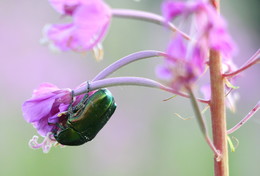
column 221, row 41
column 172, row 9
column 177, row 48
column 44, row 88
column 35, row 110
column 206, row 91
column 92, row 22
column 59, row 5
column 62, row 35
column 45, row 105
column 163, row 72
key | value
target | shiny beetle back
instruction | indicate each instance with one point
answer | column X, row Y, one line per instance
column 87, row 118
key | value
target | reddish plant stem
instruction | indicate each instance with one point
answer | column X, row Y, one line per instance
column 218, row 111
column 218, row 115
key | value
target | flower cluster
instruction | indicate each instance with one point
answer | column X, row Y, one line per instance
column 184, row 63
column 209, row 25
column 91, row 19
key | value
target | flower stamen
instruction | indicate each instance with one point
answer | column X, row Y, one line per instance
column 46, row 144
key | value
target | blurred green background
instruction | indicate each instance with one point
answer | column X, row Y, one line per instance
column 143, row 137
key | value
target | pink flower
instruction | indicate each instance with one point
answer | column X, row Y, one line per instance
column 209, row 23
column 91, row 19
column 171, row 10
column 47, row 108
column 43, row 108
column 183, row 65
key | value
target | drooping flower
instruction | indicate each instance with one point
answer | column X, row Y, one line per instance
column 91, row 19
column 183, row 65
column 42, row 111
column 209, row 24
column 43, row 108
column 47, row 111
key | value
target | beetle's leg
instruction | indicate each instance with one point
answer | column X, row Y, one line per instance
column 80, row 105
column 57, row 125
column 60, row 126
column 70, row 108
column 77, row 108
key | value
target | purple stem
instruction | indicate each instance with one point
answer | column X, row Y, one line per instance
column 118, row 81
column 126, row 60
column 147, row 16
column 245, row 119
column 128, row 81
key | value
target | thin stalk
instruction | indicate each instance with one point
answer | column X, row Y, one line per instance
column 128, row 81
column 245, row 119
column 147, row 16
column 255, row 59
column 127, row 60
column 117, row 81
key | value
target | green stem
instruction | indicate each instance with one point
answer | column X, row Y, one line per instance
column 202, row 124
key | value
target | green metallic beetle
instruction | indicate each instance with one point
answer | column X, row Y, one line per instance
column 86, row 119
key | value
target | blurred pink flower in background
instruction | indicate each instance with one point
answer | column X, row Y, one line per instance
column 91, row 19
column 208, row 23
column 183, row 65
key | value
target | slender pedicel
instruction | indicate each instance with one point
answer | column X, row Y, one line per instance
column 245, row 119
column 128, row 81
column 147, row 16
column 118, row 81
column 126, row 60
column 255, row 59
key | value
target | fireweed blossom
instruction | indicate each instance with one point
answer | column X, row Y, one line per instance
column 209, row 25
column 209, row 29
column 182, row 65
column 91, row 19
column 43, row 111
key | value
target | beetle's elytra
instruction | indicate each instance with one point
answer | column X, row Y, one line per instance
column 86, row 119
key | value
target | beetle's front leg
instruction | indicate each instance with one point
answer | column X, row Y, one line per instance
column 80, row 105
column 61, row 127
